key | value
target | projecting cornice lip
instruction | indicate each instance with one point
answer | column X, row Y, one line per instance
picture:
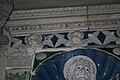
column 66, row 11
column 46, row 13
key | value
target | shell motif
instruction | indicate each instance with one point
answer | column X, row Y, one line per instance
column 79, row 64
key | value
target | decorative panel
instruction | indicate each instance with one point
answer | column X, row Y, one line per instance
column 75, row 39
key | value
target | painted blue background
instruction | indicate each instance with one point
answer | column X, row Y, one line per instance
column 108, row 66
column 101, row 37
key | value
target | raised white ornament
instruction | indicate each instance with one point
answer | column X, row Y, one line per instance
column 116, row 51
column 34, row 40
column 118, row 32
column 76, row 39
column 80, row 68
column 41, row 56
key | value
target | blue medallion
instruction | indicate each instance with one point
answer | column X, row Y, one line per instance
column 80, row 64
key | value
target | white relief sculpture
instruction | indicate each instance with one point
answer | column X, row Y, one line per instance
column 19, row 55
column 80, row 68
column 109, row 37
column 117, row 40
column 47, row 40
column 61, row 39
column 34, row 40
column 118, row 32
column 92, row 38
column 76, row 39
column 116, row 51
column 30, row 51
column 41, row 56
column 18, row 44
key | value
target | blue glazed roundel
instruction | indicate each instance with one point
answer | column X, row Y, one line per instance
column 105, row 66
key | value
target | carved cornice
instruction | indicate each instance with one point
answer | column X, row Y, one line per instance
column 52, row 12
column 102, row 9
column 66, row 11
column 62, row 19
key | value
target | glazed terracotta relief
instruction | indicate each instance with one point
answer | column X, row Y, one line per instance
column 74, row 39
column 80, row 68
column 79, row 64
column 58, row 56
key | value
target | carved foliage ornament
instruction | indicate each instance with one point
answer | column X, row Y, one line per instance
column 80, row 68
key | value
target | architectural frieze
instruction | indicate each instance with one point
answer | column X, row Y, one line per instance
column 81, row 25
column 47, row 27
column 104, row 24
column 68, row 39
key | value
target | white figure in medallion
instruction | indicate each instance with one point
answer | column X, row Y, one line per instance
column 80, row 68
